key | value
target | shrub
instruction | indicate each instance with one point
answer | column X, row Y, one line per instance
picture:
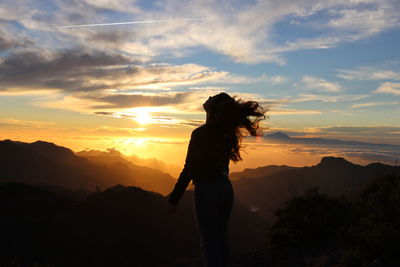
column 310, row 220
column 375, row 234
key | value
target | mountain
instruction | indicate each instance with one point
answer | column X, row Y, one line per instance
column 147, row 178
column 333, row 176
column 47, row 163
column 284, row 138
column 113, row 154
column 259, row 172
column 121, row 226
column 42, row 162
column 278, row 135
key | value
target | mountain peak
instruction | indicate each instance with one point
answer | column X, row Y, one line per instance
column 117, row 188
column 334, row 161
column 278, row 135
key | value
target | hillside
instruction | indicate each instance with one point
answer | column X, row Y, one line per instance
column 47, row 163
column 121, row 226
column 275, row 184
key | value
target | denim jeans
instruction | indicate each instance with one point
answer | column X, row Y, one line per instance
column 213, row 201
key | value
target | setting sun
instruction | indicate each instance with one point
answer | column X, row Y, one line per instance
column 143, row 117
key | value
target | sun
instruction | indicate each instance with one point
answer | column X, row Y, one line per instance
column 143, row 117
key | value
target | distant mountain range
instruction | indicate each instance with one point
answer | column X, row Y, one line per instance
column 284, row 138
column 46, row 163
column 264, row 189
column 59, row 169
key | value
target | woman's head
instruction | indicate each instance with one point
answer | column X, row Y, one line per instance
column 234, row 116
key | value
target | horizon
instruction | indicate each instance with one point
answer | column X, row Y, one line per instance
column 132, row 75
column 175, row 169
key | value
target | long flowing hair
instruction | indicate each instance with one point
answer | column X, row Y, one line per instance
column 237, row 118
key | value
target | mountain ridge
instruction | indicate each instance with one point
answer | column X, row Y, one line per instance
column 280, row 136
column 48, row 163
column 333, row 176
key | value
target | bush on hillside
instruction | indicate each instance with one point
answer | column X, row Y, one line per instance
column 375, row 235
column 364, row 228
column 308, row 221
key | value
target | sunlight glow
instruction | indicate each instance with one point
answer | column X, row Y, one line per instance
column 143, row 117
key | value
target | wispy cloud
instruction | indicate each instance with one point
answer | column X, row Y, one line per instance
column 368, row 73
column 388, row 88
column 102, row 103
column 23, row 123
column 321, row 84
column 288, row 111
column 135, row 100
column 328, row 98
column 374, row 104
column 388, row 131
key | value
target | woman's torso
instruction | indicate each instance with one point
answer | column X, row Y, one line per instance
column 214, row 162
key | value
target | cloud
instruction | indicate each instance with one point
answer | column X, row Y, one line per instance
column 388, row 88
column 23, row 123
column 244, row 31
column 378, row 131
column 374, row 104
column 286, row 111
column 368, row 73
column 361, row 155
column 371, row 134
column 125, row 6
column 153, row 119
column 136, row 100
column 110, row 36
column 365, row 22
column 327, row 98
column 8, row 42
column 59, row 70
column 321, row 84
column 75, row 70
column 123, row 103
column 273, row 79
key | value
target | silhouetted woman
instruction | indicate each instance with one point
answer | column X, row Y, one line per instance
column 211, row 147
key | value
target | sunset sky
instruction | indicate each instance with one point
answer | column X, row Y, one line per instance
column 326, row 69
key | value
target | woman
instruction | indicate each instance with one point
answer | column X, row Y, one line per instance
column 211, row 147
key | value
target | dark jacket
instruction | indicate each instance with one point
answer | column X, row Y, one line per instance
column 207, row 159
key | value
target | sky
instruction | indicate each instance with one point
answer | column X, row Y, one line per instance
column 132, row 75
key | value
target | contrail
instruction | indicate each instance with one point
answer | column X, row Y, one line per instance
column 133, row 22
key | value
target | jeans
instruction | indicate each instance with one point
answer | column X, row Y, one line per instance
column 213, row 201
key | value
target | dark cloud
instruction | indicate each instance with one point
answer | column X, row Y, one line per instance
column 65, row 70
column 105, row 113
column 7, row 42
column 76, row 70
column 128, row 101
column 110, row 36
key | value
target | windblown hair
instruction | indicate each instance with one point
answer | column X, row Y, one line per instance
column 236, row 117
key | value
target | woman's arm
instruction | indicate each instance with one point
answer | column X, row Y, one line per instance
column 193, row 158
